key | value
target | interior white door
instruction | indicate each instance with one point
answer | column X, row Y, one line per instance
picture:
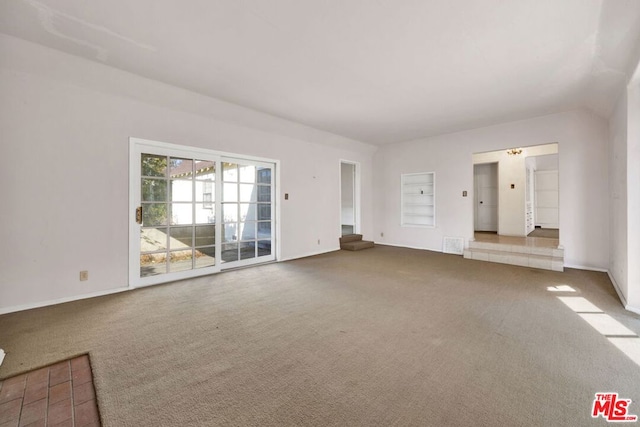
column 486, row 196
column 547, row 202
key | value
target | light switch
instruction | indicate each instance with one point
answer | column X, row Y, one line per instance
column 513, row 186
column 464, row 193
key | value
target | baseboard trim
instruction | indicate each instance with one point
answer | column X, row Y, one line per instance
column 623, row 300
column 23, row 307
column 325, row 251
column 632, row 309
column 411, row 247
column 582, row 267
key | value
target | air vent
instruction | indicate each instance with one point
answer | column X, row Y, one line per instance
column 453, row 245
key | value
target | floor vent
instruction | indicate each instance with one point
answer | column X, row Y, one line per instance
column 453, row 245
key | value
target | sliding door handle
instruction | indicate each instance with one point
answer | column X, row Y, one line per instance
column 139, row 214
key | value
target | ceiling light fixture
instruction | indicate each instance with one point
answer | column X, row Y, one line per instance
column 514, row 151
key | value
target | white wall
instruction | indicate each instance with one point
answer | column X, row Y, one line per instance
column 633, row 193
column 65, row 125
column 546, row 163
column 582, row 145
column 618, row 196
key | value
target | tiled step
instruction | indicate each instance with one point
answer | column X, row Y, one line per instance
column 547, row 258
column 356, row 245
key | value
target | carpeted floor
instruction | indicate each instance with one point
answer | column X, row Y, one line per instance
column 387, row 336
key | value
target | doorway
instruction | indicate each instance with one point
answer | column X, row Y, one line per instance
column 485, row 178
column 349, row 198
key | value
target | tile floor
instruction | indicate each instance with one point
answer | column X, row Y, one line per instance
column 57, row 395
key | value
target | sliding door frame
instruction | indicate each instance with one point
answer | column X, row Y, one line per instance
column 137, row 146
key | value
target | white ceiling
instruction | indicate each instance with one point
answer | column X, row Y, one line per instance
column 379, row 71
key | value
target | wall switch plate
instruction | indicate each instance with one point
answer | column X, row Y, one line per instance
column 286, row 196
column 464, row 193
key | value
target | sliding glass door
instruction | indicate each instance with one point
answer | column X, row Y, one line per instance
column 246, row 211
column 197, row 212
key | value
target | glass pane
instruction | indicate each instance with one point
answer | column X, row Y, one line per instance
column 180, row 260
column 247, row 231
column 264, row 193
column 229, row 212
column 206, row 170
column 181, row 237
column 248, row 212
column 205, row 192
column 229, row 192
column 264, row 175
column 264, row 230
column 153, row 239
column 181, row 190
column 205, row 235
column 248, row 193
column 154, row 190
column 229, row 232
column 181, row 213
column 229, row 252
column 152, row 264
column 247, row 173
column 247, row 250
column 264, row 212
column 153, row 165
column 205, row 257
column 229, row 172
column 205, row 213
column 154, row 214
column 264, row 247
column 180, row 168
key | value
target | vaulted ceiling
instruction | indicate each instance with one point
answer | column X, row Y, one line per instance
column 379, row 71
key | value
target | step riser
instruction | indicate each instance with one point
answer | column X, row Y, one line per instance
column 528, row 250
column 351, row 238
column 543, row 262
column 357, row 246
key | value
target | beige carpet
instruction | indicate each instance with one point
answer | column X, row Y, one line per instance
column 387, row 336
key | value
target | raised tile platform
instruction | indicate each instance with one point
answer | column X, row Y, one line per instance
column 534, row 252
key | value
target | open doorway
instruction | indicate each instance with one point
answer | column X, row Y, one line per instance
column 516, row 191
column 485, row 177
column 545, row 196
column 349, row 198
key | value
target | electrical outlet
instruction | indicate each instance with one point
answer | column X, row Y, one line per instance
column 318, row 241
column 84, row 275
column 381, row 234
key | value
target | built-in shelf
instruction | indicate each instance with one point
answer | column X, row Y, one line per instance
column 418, row 199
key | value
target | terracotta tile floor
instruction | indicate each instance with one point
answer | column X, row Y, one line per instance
column 57, row 395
